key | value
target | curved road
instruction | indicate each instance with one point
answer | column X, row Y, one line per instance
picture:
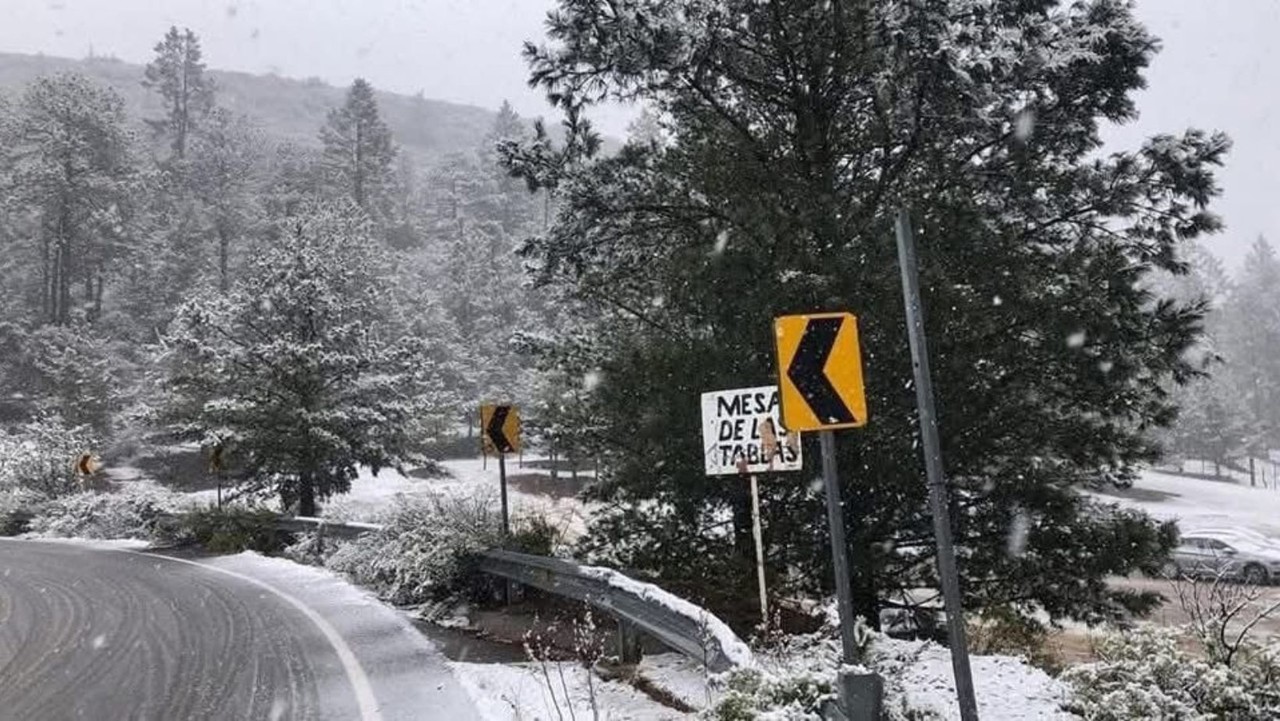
column 87, row 633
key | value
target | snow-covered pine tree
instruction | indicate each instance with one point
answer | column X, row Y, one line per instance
column 798, row 129
column 306, row 368
column 71, row 182
column 223, row 176
column 177, row 74
column 1251, row 345
column 1210, row 423
column 358, row 154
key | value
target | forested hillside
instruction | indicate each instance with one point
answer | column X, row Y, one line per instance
column 285, row 109
column 306, row 279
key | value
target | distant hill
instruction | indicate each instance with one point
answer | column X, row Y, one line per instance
column 284, row 108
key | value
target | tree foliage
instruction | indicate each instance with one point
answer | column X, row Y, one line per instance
column 304, row 370
column 72, row 175
column 797, row 129
column 177, row 74
column 358, row 153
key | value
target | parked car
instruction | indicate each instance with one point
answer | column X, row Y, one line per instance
column 1236, row 555
column 1240, row 534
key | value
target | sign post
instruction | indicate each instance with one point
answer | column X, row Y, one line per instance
column 500, row 433
column 820, row 383
column 933, row 467
column 742, row 435
column 215, row 467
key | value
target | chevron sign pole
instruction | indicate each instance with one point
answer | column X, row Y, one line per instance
column 820, row 384
column 500, row 433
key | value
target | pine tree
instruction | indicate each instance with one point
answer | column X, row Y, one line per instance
column 73, row 177
column 177, row 74
column 1251, row 345
column 358, row 152
column 504, row 198
column 223, row 164
column 294, row 178
column 797, row 130
column 306, row 369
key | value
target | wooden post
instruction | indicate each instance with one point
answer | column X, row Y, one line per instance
column 759, row 536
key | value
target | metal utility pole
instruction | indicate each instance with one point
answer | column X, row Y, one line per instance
column 933, row 467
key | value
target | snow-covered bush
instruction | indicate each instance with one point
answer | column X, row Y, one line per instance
column 230, row 529
column 790, row 681
column 752, row 693
column 40, row 456
column 130, row 513
column 424, row 549
column 1148, row 673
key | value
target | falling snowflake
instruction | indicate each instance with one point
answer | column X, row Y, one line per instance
column 99, row 641
column 1024, row 125
column 1106, row 366
column 591, row 380
column 722, row 241
column 997, row 300
column 1018, row 533
column 1076, row 340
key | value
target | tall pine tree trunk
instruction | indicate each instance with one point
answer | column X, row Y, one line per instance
column 224, row 250
column 46, row 278
column 307, row 495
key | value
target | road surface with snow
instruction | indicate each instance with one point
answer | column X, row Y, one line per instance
column 92, row 633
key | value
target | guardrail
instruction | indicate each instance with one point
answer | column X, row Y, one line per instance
column 675, row 622
column 325, row 528
column 638, row 607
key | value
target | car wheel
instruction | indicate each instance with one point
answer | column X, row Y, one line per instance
column 1255, row 575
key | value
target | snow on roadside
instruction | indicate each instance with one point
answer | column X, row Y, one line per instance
column 521, row 692
column 680, row 676
column 1197, row 503
column 1007, row 688
column 119, row 544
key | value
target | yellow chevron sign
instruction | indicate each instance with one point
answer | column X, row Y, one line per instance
column 820, row 372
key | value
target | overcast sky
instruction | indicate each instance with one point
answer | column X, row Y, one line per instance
column 1220, row 68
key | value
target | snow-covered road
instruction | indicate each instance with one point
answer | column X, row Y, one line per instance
column 87, row 632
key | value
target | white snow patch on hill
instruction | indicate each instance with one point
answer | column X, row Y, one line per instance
column 371, row 494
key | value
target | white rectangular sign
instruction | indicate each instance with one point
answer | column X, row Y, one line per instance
column 742, row 433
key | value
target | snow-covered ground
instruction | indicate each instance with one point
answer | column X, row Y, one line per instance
column 1197, row 503
column 117, row 544
column 528, row 692
column 370, row 495
column 1007, row 688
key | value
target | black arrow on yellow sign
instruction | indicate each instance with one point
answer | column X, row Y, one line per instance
column 820, row 372
column 497, row 436
column 808, row 371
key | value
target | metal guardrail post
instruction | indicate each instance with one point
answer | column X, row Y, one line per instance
column 630, row 649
